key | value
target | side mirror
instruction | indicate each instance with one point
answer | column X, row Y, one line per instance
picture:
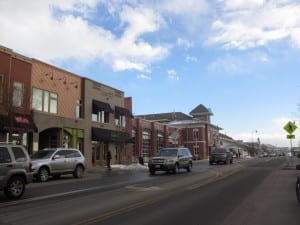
column 298, row 167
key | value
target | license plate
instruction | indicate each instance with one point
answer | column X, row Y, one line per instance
column 157, row 166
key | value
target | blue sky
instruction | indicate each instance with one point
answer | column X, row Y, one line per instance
column 237, row 57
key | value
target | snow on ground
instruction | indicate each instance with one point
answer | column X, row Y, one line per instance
column 134, row 166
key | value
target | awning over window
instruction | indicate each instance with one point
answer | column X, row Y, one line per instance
column 101, row 106
column 99, row 134
column 17, row 122
column 119, row 111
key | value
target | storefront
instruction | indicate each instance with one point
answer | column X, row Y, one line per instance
column 104, row 140
column 17, row 128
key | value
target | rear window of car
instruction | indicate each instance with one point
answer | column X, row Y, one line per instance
column 219, row 150
column 19, row 154
column 167, row 152
column 4, row 155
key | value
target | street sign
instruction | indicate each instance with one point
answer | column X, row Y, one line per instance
column 290, row 136
column 290, row 127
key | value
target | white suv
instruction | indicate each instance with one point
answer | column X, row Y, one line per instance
column 57, row 161
column 15, row 169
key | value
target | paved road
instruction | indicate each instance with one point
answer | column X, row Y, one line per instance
column 256, row 192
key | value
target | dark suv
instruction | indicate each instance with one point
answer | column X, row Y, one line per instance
column 220, row 155
column 15, row 170
column 171, row 159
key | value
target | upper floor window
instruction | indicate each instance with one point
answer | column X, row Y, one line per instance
column 18, row 89
column 44, row 101
column 120, row 121
column 100, row 117
column 100, row 111
column 78, row 108
column 196, row 134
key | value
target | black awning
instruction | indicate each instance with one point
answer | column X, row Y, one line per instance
column 104, row 135
column 17, row 122
column 120, row 111
column 101, row 106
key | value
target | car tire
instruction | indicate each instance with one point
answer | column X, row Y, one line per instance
column 78, row 172
column 43, row 174
column 15, row 187
column 152, row 171
column 298, row 190
column 231, row 161
column 189, row 168
column 176, row 168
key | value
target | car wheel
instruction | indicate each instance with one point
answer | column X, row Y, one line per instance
column 189, row 168
column 176, row 168
column 43, row 174
column 78, row 172
column 231, row 161
column 15, row 187
column 152, row 171
column 298, row 190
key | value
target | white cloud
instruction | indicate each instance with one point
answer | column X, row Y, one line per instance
column 184, row 43
column 229, row 64
column 172, row 75
column 242, row 4
column 143, row 77
column 186, row 7
column 249, row 24
column 120, row 65
column 48, row 34
column 189, row 58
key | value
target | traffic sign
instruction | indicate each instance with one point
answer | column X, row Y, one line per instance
column 290, row 127
column 290, row 136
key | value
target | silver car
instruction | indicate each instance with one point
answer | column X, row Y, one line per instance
column 57, row 161
column 15, row 169
column 171, row 159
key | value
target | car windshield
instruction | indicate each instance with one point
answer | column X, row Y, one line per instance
column 167, row 152
column 219, row 150
column 43, row 154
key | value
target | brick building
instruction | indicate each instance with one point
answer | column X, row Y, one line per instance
column 195, row 130
column 16, row 123
column 149, row 136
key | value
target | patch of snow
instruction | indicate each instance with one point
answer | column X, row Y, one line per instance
column 134, row 166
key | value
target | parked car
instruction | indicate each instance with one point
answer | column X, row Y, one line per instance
column 15, row 170
column 171, row 159
column 298, row 184
column 221, row 155
column 57, row 161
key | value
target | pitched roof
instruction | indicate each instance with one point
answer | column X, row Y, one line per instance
column 201, row 110
column 165, row 117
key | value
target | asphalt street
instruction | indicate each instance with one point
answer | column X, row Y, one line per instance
column 256, row 192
